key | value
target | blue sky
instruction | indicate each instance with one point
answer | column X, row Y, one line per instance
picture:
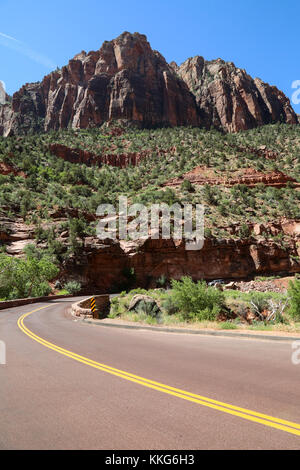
column 261, row 36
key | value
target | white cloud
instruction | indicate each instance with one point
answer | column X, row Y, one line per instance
column 2, row 92
column 8, row 37
column 22, row 48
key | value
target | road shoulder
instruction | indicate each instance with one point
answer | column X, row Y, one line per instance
column 261, row 335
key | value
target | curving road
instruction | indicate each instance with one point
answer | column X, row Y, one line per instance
column 70, row 385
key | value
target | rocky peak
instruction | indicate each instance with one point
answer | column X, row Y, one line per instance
column 229, row 99
column 126, row 79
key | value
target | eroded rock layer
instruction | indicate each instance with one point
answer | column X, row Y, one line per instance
column 248, row 176
column 120, row 160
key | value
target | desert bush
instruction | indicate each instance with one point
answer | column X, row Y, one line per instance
column 42, row 290
column 187, row 186
column 197, row 301
column 268, row 309
column 259, row 303
column 72, row 287
column 294, row 296
column 276, row 311
column 148, row 308
column 169, row 305
column 244, row 231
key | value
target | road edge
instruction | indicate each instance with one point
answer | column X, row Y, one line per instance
column 192, row 332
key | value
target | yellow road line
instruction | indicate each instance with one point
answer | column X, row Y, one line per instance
column 277, row 423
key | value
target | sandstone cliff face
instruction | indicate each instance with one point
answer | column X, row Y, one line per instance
column 128, row 80
column 229, row 99
column 6, row 119
column 103, row 265
column 125, row 79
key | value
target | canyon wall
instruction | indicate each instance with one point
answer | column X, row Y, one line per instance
column 106, row 266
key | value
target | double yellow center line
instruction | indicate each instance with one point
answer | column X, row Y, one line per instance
column 277, row 423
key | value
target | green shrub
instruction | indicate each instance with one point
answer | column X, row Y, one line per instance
column 259, row 302
column 206, row 314
column 244, row 231
column 137, row 291
column 294, row 294
column 187, row 186
column 72, row 287
column 169, row 306
column 20, row 278
column 148, row 308
column 42, row 290
column 228, row 326
column 196, row 301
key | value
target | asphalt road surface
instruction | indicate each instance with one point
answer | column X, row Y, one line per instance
column 70, row 385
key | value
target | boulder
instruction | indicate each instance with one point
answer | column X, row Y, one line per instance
column 145, row 304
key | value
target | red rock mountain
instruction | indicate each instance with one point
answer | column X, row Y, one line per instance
column 228, row 98
column 128, row 80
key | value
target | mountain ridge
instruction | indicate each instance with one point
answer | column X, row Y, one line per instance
column 127, row 80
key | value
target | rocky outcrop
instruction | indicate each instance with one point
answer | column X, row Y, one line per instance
column 120, row 160
column 7, row 118
column 6, row 169
column 15, row 230
column 111, row 266
column 108, row 266
column 262, row 151
column 16, row 235
column 248, row 176
column 146, row 304
column 231, row 100
column 127, row 80
column 2, row 93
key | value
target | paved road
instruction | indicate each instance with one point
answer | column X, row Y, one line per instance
column 51, row 399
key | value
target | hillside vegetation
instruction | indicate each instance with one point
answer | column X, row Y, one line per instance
column 54, row 202
column 52, row 183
